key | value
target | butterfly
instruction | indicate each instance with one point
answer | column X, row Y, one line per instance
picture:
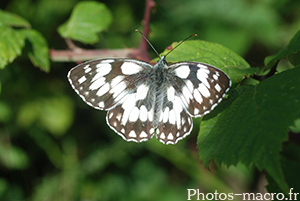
column 143, row 100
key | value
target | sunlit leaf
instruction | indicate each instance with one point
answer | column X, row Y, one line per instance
column 296, row 127
column 57, row 115
column 11, row 44
column 12, row 157
column 11, row 19
column 54, row 114
column 39, row 52
column 87, row 20
column 12, row 41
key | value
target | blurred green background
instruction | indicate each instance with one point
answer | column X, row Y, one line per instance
column 55, row 147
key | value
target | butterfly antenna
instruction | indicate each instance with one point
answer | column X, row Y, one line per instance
column 180, row 43
column 148, row 42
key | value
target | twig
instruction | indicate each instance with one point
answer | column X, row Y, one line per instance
column 272, row 71
column 72, row 46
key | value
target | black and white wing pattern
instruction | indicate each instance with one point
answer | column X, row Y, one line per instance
column 104, row 83
column 121, row 86
column 200, row 86
column 190, row 89
column 143, row 100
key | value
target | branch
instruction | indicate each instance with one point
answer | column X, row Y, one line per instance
column 146, row 23
column 83, row 55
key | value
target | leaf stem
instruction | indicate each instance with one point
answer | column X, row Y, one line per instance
column 269, row 74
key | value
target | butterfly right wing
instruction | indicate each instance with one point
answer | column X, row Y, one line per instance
column 191, row 89
column 103, row 83
column 200, row 86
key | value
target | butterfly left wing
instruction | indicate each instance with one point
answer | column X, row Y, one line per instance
column 124, row 88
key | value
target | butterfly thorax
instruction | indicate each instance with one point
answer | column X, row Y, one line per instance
column 162, row 63
column 161, row 71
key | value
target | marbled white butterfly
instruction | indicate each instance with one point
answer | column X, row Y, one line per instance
column 142, row 99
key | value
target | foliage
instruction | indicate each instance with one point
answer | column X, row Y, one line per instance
column 54, row 147
column 251, row 122
column 14, row 32
column 87, row 19
column 291, row 51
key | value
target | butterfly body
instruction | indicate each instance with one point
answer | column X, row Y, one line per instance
column 143, row 100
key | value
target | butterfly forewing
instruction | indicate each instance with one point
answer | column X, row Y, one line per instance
column 103, row 83
column 200, row 86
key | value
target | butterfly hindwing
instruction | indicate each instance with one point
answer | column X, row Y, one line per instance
column 174, row 123
column 133, row 118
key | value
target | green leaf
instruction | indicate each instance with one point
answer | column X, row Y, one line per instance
column 5, row 111
column 11, row 44
column 11, row 19
column 39, row 53
column 253, row 127
column 294, row 59
column 87, row 20
column 296, row 126
column 12, row 41
column 214, row 54
column 293, row 48
column 290, row 163
column 12, row 157
column 53, row 114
